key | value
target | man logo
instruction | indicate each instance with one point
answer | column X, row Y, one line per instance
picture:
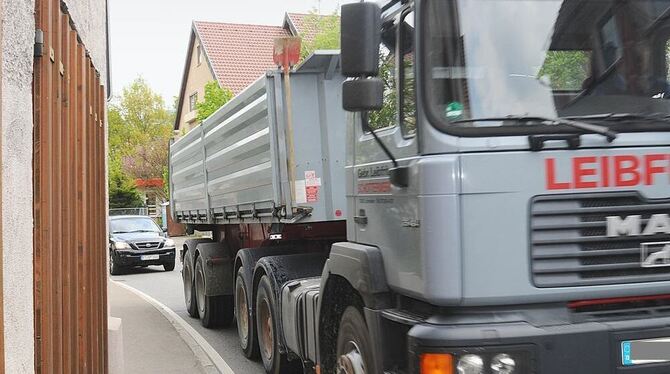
column 650, row 259
column 633, row 225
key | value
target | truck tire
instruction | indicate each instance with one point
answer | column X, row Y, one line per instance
column 246, row 324
column 214, row 311
column 274, row 361
column 189, row 287
column 354, row 349
column 114, row 268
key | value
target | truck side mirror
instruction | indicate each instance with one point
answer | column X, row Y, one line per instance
column 363, row 94
column 360, row 38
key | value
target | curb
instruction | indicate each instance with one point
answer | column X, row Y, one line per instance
column 210, row 360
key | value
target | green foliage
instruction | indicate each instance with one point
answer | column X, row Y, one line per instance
column 122, row 190
column 566, row 70
column 327, row 33
column 387, row 116
column 140, row 127
column 215, row 98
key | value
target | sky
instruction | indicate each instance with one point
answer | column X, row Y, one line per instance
column 149, row 38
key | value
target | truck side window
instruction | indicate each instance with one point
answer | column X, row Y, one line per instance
column 406, row 75
column 387, row 117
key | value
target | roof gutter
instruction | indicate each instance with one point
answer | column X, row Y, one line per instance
column 108, row 52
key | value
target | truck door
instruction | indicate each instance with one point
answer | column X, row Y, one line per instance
column 387, row 216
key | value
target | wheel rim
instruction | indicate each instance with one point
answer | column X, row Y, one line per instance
column 242, row 315
column 200, row 289
column 266, row 334
column 351, row 362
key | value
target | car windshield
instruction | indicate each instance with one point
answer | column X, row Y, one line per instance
column 133, row 224
column 546, row 58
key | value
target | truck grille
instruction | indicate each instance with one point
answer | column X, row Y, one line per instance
column 570, row 247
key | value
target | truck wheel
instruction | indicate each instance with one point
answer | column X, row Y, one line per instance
column 114, row 268
column 189, row 288
column 169, row 266
column 245, row 319
column 268, row 340
column 214, row 311
column 354, row 353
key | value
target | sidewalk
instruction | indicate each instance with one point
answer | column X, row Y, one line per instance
column 151, row 344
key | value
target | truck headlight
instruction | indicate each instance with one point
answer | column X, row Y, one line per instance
column 470, row 364
column 503, row 364
column 121, row 245
column 169, row 243
column 481, row 360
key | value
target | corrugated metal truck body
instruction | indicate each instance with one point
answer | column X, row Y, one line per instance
column 233, row 167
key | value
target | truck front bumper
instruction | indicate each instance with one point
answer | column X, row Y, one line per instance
column 129, row 258
column 581, row 348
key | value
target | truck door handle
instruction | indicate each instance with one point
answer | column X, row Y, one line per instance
column 361, row 220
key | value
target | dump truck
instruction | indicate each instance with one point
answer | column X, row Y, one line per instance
column 471, row 186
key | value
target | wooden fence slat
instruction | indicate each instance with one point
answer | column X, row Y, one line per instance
column 70, row 245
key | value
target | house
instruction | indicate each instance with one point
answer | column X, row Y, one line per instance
column 53, row 247
column 234, row 55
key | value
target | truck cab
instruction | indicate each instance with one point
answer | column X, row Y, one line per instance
column 508, row 186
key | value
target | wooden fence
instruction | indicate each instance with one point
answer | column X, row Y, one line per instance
column 70, row 252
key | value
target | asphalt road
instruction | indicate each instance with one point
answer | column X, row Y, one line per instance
column 167, row 288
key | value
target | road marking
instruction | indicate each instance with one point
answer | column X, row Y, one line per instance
column 185, row 330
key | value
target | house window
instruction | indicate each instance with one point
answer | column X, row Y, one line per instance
column 199, row 54
column 193, row 100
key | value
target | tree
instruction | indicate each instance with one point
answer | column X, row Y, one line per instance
column 140, row 127
column 326, row 36
column 566, row 70
column 122, row 190
column 215, row 98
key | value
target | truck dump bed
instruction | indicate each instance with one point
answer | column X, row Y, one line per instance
column 232, row 168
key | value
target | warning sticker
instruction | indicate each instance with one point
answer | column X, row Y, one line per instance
column 311, row 180
column 312, row 193
column 300, row 192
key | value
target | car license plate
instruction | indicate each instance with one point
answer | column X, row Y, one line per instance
column 149, row 257
column 648, row 351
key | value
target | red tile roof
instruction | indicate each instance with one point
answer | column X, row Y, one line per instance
column 304, row 26
column 239, row 54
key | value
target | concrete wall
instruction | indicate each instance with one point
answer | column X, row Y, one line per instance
column 90, row 18
column 18, row 33
column 198, row 76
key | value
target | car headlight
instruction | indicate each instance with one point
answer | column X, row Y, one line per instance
column 121, row 245
column 169, row 243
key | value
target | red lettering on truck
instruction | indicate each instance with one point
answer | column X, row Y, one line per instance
column 607, row 171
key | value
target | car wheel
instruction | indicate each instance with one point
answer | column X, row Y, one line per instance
column 169, row 266
column 114, row 268
column 214, row 311
column 274, row 361
column 245, row 318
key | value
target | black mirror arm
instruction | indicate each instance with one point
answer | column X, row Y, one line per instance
column 398, row 175
column 379, row 141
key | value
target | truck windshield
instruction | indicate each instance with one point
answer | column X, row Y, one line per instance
column 578, row 59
